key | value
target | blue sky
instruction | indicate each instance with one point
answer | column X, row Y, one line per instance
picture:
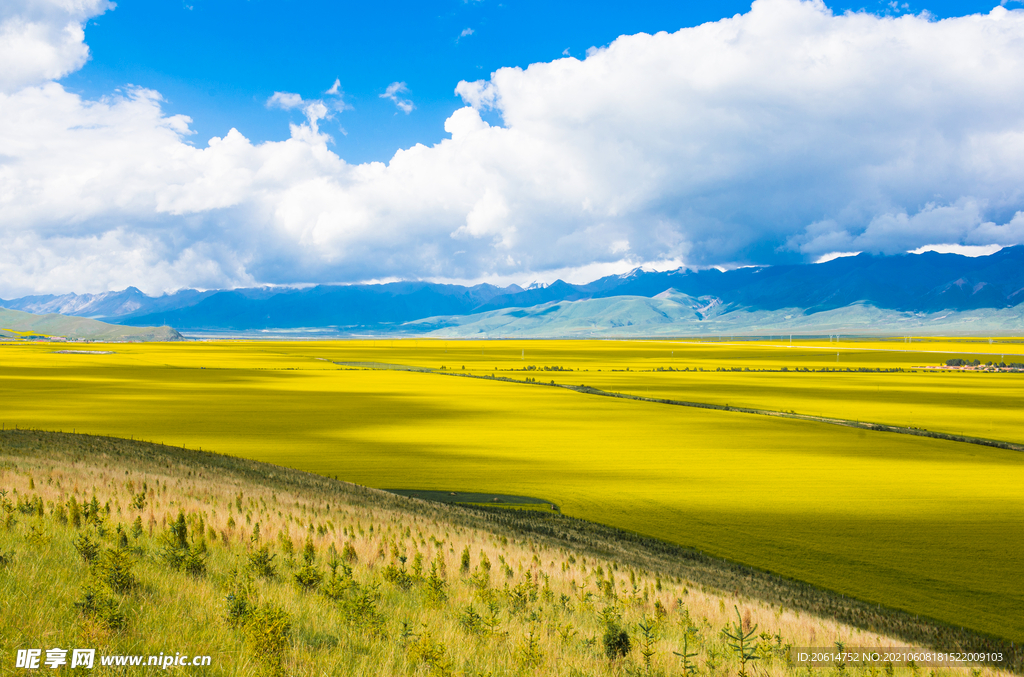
column 219, row 61
column 238, row 143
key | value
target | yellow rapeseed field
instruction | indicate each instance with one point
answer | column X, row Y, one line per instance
column 930, row 526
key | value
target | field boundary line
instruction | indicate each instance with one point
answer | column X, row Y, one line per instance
column 846, row 423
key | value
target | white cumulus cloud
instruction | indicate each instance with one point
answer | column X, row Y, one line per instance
column 786, row 133
column 43, row 40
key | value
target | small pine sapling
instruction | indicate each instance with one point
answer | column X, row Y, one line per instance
column 616, row 641
column 436, row 584
column 647, row 639
column 87, row 548
column 742, row 644
column 530, row 655
column 261, row 562
column 308, row 577
column 689, row 667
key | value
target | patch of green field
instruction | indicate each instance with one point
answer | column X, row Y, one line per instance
column 933, row 527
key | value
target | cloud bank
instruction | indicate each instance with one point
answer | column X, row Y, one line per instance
column 786, row 133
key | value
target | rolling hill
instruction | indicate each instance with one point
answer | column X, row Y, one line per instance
column 15, row 323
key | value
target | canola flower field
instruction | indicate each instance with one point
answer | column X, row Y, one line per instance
column 929, row 526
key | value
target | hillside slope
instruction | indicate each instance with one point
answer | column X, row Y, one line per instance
column 672, row 313
column 291, row 573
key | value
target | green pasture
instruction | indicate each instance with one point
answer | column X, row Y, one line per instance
column 929, row 526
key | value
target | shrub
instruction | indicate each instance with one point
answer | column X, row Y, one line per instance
column 425, row 650
column 285, row 541
column 470, row 621
column 481, row 579
column 238, row 609
column 239, row 606
column 28, row 506
column 92, row 510
column 360, row 610
column 179, row 532
column 338, row 587
column 268, row 633
column 616, row 641
column 518, row 598
column 114, row 568
column 74, row 513
column 193, row 562
column 437, row 593
column 398, row 575
column 417, row 565
column 308, row 577
column 530, row 655
column 178, row 553
column 100, row 607
column 139, row 500
column 261, row 563
column 87, row 548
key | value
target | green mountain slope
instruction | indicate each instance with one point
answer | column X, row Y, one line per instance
column 14, row 323
column 672, row 313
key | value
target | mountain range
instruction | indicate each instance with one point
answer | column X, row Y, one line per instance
column 949, row 292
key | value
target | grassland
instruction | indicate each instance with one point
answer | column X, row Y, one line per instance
column 140, row 549
column 931, row 527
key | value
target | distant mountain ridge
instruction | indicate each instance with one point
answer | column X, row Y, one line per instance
column 910, row 283
column 108, row 305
